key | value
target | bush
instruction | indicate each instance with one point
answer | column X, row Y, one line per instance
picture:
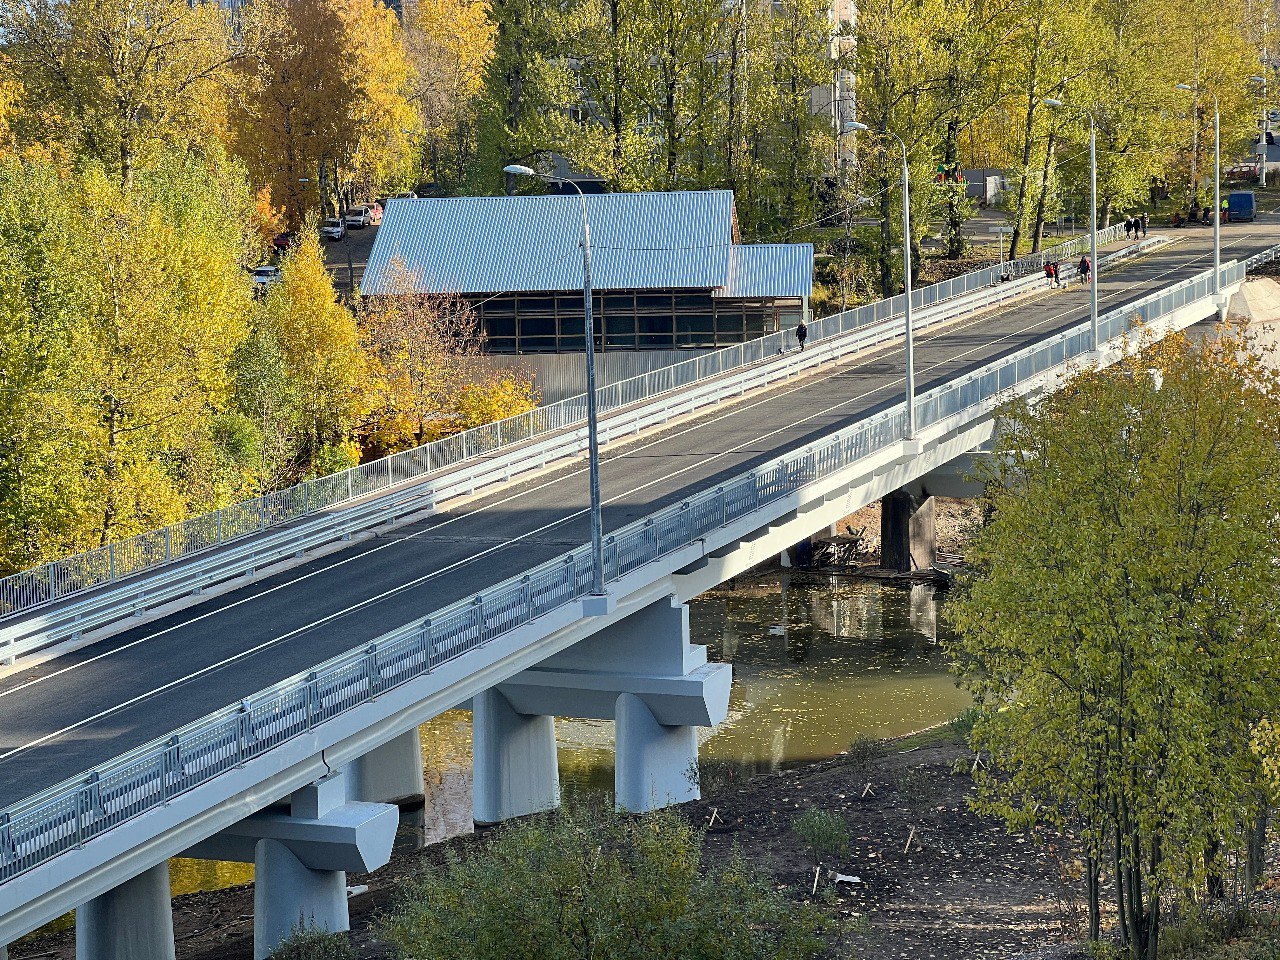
column 591, row 883
column 312, row 943
column 823, row 832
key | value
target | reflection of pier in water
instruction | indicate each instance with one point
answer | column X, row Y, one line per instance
column 817, row 661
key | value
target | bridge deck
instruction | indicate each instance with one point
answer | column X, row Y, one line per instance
column 72, row 713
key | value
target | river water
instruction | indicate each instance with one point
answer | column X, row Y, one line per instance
column 817, row 662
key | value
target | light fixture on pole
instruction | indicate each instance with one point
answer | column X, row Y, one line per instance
column 1095, row 334
column 593, row 446
column 1217, row 188
column 906, row 274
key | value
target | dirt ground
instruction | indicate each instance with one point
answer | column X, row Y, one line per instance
column 933, row 880
column 955, row 520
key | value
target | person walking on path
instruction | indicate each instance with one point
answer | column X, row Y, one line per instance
column 1086, row 269
column 802, row 332
column 1051, row 272
column 1144, row 224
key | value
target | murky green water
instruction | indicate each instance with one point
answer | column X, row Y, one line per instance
column 817, row 661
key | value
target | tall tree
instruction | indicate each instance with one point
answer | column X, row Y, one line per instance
column 328, row 373
column 327, row 112
column 1119, row 627
column 119, row 313
column 117, row 79
column 450, row 42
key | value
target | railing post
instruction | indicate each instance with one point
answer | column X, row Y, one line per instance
column 262, row 512
column 8, row 851
column 371, row 670
column 429, row 643
column 244, row 735
column 111, row 561
column 217, row 526
column 313, row 698
column 168, row 548
column 478, row 617
column 351, row 493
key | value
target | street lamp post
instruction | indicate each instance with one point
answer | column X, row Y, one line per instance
column 593, row 446
column 906, row 275
column 1095, row 334
column 1217, row 188
column 1262, row 136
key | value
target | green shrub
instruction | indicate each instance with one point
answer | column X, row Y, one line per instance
column 961, row 725
column 823, row 832
column 591, row 883
column 312, row 943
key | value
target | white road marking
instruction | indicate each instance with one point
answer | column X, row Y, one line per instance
column 807, row 383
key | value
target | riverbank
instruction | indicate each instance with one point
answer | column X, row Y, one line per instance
column 933, row 879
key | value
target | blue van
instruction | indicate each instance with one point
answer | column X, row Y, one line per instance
column 1241, row 206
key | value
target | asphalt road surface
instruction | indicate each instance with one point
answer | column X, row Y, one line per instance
column 65, row 716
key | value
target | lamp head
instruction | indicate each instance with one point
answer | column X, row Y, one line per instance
column 1051, row 102
column 519, row 171
column 1185, row 86
column 1257, row 79
column 851, row 125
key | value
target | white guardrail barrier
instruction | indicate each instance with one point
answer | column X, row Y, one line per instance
column 43, row 627
column 65, row 816
column 32, row 588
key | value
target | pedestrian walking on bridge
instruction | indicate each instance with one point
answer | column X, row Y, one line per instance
column 1086, row 269
column 802, row 333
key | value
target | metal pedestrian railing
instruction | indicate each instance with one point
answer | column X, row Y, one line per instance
column 56, row 580
column 75, row 811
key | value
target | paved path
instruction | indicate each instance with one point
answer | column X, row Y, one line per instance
column 72, row 713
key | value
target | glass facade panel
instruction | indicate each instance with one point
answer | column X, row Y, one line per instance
column 646, row 320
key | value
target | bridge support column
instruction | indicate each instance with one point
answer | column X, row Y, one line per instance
column 287, row 895
column 643, row 673
column 390, row 774
column 908, row 532
column 514, row 761
column 132, row 922
column 655, row 765
column 301, row 857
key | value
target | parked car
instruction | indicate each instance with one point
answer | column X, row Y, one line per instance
column 358, row 217
column 282, row 241
column 333, row 229
column 375, row 212
column 263, row 277
column 406, row 195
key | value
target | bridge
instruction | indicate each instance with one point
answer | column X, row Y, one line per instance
column 247, row 686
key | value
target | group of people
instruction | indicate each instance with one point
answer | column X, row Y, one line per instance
column 1053, row 271
column 1132, row 226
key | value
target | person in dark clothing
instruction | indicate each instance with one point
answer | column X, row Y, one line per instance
column 1128, row 227
column 802, row 332
column 1144, row 224
column 1051, row 274
column 1086, row 269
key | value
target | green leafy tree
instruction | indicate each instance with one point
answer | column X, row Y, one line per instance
column 1118, row 628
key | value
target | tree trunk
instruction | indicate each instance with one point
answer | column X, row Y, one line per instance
column 955, row 194
column 1037, row 233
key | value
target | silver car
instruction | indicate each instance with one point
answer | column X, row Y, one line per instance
column 333, row 229
column 358, row 217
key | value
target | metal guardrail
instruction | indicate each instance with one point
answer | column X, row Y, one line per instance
column 29, row 589
column 77, row 810
column 23, row 636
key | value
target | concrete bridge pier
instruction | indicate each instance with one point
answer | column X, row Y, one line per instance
column 301, row 856
column 643, row 673
column 908, row 532
column 514, row 760
column 390, row 774
column 134, row 921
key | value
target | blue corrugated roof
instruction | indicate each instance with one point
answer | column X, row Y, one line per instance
column 769, row 270
column 496, row 244
column 676, row 240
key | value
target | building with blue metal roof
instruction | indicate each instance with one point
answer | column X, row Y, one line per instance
column 668, row 269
